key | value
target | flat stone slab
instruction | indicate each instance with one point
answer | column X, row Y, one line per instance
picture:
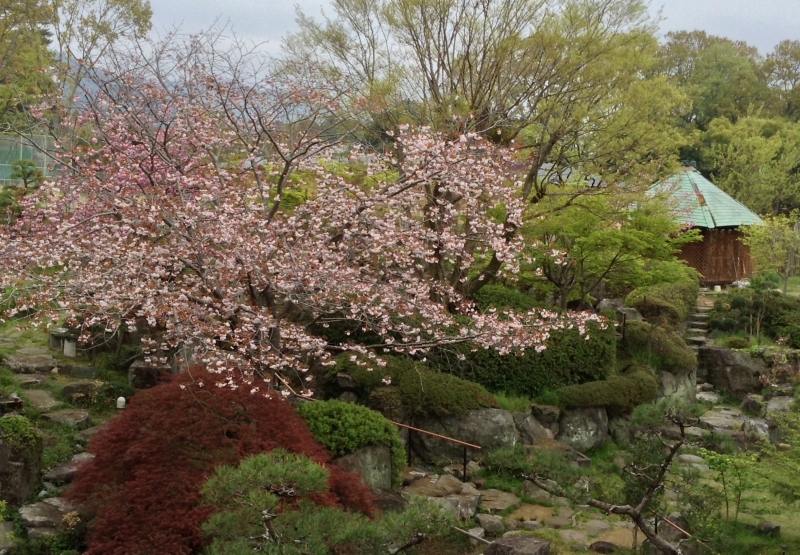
column 71, row 417
column 45, row 514
column 778, row 404
column 723, row 419
column 28, row 381
column 41, row 399
column 596, row 527
column 85, row 436
column 22, row 363
column 496, row 500
column 708, row 397
column 557, row 522
column 574, row 537
column 64, row 473
column 690, row 459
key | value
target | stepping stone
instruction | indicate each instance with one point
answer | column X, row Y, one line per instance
column 574, row 538
column 493, row 524
column 64, row 473
column 70, row 417
column 79, row 391
column 597, row 527
column 30, row 363
column 85, row 436
column 603, row 547
column 557, row 522
column 496, row 500
column 778, row 404
column 41, row 399
column 45, row 517
column 27, row 381
column 708, row 397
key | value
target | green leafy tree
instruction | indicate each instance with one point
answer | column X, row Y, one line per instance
column 613, row 238
column 736, row 475
column 756, row 160
column 28, row 172
column 775, row 246
column 274, row 503
column 722, row 77
column 782, row 69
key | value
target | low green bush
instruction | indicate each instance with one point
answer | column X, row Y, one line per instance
column 619, row 394
column 736, row 342
column 569, row 359
column 663, row 349
column 782, row 319
column 671, row 301
column 416, row 388
column 346, row 427
column 500, row 296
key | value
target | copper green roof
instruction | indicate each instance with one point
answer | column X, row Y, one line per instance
column 703, row 204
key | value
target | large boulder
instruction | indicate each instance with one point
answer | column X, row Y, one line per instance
column 456, row 497
column 530, row 430
column 20, row 459
column 734, row 371
column 584, row 429
column 680, row 387
column 373, row 463
column 490, row 429
column 45, row 518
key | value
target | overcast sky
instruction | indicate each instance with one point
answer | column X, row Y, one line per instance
column 762, row 23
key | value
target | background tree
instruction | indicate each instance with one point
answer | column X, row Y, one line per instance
column 723, row 78
column 782, row 69
column 756, row 161
column 775, row 246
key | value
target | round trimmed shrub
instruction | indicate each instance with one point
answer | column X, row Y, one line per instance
column 419, row 389
column 619, row 394
column 345, row 427
column 671, row 301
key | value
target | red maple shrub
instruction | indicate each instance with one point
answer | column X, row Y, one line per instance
column 142, row 487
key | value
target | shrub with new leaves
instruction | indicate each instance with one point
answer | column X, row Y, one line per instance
column 143, row 486
column 662, row 349
column 345, row 427
column 263, row 505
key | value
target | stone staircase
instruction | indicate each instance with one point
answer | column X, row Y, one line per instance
column 697, row 329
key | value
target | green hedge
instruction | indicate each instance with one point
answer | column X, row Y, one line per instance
column 500, row 296
column 346, row 427
column 418, row 389
column 671, row 301
column 660, row 348
column 569, row 359
column 619, row 394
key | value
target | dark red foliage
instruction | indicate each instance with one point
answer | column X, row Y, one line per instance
column 143, row 486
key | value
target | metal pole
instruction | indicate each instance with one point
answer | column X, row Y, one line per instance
column 409, row 446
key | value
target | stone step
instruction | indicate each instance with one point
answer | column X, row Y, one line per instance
column 703, row 309
column 699, row 316
column 696, row 332
column 702, row 325
column 696, row 340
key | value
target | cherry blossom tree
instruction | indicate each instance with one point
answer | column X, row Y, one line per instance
column 215, row 198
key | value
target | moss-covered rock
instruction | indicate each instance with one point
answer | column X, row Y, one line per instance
column 20, row 458
column 663, row 349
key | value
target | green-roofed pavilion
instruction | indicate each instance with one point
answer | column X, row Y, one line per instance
column 720, row 257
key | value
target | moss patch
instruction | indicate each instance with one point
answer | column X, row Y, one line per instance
column 660, row 348
column 18, row 431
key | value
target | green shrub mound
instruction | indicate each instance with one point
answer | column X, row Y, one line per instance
column 672, row 302
column 346, row 427
column 619, row 394
column 416, row 389
column 660, row 348
column 569, row 359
